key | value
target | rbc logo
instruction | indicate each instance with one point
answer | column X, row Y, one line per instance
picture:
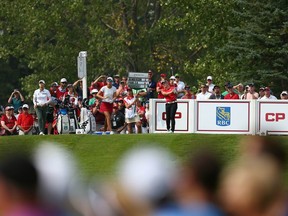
column 223, row 115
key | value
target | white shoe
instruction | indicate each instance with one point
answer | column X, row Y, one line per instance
column 169, row 131
column 41, row 133
column 111, row 132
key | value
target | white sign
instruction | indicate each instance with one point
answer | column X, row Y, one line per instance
column 223, row 116
column 182, row 118
column 273, row 117
column 81, row 63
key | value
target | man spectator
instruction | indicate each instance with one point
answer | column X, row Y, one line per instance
column 53, row 89
column 210, row 84
column 204, row 94
column 62, row 89
column 231, row 94
column 160, row 87
column 98, row 83
column 151, row 86
column 117, row 119
column 188, row 94
column 94, row 97
column 251, row 94
column 116, row 82
column 239, row 89
column 268, row 95
column 180, row 86
column 226, row 89
column 284, row 95
column 25, row 121
column 16, row 99
column 261, row 92
column 216, row 93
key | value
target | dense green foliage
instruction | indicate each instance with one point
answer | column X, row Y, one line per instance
column 230, row 40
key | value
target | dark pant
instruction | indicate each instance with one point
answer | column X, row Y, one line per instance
column 170, row 115
column 41, row 113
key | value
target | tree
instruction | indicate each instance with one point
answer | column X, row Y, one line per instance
column 258, row 47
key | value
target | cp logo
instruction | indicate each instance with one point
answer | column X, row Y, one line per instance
column 271, row 117
column 178, row 115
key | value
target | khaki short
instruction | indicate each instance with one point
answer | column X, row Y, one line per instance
column 132, row 120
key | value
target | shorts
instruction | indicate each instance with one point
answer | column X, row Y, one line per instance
column 106, row 107
column 132, row 120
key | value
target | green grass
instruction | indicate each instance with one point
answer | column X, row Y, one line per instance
column 99, row 154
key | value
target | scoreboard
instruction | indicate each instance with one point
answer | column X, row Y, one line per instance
column 137, row 80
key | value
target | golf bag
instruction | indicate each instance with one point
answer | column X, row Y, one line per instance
column 67, row 120
column 87, row 120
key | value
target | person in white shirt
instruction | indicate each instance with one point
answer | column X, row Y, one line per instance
column 180, row 86
column 268, row 95
column 107, row 94
column 204, row 94
column 41, row 99
column 210, row 84
column 284, row 95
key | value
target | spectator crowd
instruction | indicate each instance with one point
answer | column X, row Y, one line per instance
column 117, row 107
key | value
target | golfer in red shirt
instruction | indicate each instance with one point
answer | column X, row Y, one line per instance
column 170, row 94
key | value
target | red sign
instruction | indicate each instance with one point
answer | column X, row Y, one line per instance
column 271, row 117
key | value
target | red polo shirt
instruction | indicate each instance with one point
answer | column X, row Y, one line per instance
column 25, row 120
column 231, row 96
column 172, row 96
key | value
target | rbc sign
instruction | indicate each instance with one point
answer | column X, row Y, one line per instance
column 223, row 116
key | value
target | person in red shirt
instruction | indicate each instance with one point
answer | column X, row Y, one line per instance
column 98, row 83
column 188, row 94
column 231, row 94
column 170, row 94
column 25, row 121
column 62, row 89
column 8, row 121
column 159, row 86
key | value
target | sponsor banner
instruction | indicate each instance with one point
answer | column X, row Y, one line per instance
column 273, row 117
column 138, row 80
column 223, row 116
column 183, row 116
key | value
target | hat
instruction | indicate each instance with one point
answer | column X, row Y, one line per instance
column 163, row 75
column 216, row 86
column 172, row 77
column 209, row 77
column 41, row 81
column 69, row 85
column 25, row 106
column 284, row 93
column 63, row 80
column 177, row 75
column 9, row 108
column 251, row 84
column 261, row 88
column 109, row 79
column 94, row 91
column 150, row 71
column 116, row 75
column 267, row 89
column 54, row 84
column 229, row 85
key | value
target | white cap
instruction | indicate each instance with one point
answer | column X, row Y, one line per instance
column 284, row 92
column 63, row 80
column 94, row 91
column 172, row 77
column 42, row 81
column 209, row 78
column 25, row 106
column 109, row 79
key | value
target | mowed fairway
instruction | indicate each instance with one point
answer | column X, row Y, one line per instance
column 99, row 154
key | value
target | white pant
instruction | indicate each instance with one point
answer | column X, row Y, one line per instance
column 22, row 133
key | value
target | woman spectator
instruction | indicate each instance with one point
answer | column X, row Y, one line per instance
column 8, row 121
column 159, row 86
column 16, row 99
column 170, row 94
column 73, row 97
column 107, row 94
column 131, row 115
column 41, row 99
